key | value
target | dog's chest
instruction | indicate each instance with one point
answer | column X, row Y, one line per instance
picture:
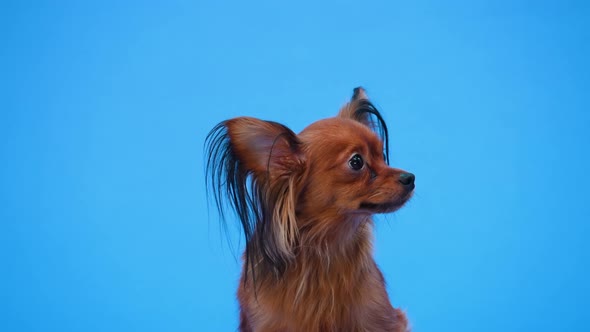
column 322, row 304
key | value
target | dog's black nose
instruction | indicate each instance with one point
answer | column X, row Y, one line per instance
column 407, row 179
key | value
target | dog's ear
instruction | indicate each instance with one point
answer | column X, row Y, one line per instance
column 264, row 148
column 348, row 110
column 362, row 110
column 256, row 166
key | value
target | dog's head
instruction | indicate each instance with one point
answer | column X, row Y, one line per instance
column 347, row 161
column 282, row 184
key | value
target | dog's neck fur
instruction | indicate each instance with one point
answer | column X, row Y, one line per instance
column 331, row 273
column 335, row 238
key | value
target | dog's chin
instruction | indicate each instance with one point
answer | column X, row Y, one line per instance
column 385, row 207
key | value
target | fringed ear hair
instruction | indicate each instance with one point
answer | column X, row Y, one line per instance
column 252, row 166
column 362, row 110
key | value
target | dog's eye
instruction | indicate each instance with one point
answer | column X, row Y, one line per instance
column 356, row 162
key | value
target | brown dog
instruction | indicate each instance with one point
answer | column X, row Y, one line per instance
column 305, row 203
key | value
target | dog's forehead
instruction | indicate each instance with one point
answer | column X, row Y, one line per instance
column 335, row 130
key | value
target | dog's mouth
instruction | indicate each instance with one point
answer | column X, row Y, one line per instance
column 385, row 207
column 381, row 207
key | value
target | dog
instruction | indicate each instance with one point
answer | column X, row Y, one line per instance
column 305, row 203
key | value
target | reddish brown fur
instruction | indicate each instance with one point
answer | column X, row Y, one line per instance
column 331, row 282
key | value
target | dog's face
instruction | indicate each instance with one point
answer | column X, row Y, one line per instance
column 347, row 171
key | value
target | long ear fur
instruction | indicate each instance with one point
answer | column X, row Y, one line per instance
column 362, row 110
column 253, row 166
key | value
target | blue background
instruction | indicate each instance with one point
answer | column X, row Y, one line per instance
column 105, row 107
